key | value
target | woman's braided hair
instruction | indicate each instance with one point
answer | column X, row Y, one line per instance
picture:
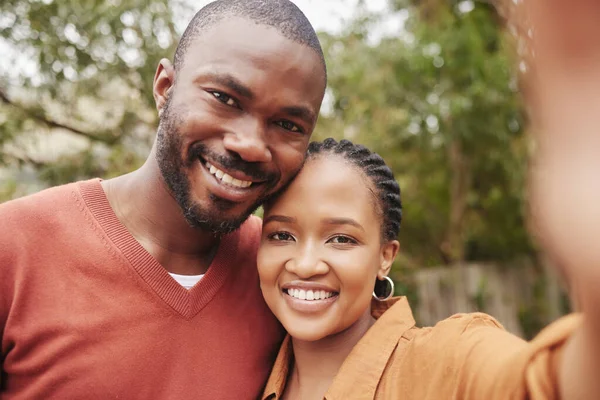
column 374, row 167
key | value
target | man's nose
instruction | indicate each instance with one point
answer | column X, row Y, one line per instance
column 247, row 138
column 307, row 263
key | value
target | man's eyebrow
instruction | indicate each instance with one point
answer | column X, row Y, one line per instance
column 301, row 112
column 343, row 221
column 231, row 83
column 279, row 218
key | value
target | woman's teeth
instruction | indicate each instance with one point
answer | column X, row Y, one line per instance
column 228, row 179
column 309, row 294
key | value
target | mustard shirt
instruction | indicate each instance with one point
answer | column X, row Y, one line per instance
column 467, row 356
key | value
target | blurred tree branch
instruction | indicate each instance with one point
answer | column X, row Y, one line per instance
column 40, row 117
column 84, row 71
column 23, row 159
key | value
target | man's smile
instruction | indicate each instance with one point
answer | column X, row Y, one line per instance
column 232, row 185
column 226, row 178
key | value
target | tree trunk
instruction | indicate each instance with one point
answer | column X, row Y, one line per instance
column 453, row 246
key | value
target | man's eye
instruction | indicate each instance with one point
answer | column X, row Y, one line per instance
column 281, row 236
column 225, row 99
column 289, row 126
column 340, row 239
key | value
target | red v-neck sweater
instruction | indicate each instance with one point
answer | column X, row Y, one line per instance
column 87, row 313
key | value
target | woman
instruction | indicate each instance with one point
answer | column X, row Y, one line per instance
column 326, row 241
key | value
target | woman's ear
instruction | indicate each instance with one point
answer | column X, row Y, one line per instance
column 389, row 251
column 163, row 83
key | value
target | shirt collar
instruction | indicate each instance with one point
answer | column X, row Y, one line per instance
column 365, row 363
column 278, row 378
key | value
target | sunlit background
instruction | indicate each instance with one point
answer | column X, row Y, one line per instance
column 433, row 86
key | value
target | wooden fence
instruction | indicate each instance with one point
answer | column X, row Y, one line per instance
column 523, row 298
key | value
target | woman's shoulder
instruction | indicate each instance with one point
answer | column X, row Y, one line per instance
column 396, row 315
column 463, row 322
column 462, row 328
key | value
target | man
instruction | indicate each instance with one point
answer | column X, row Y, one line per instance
column 92, row 274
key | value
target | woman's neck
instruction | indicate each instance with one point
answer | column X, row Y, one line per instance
column 317, row 363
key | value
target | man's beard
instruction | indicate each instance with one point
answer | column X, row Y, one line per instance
column 172, row 168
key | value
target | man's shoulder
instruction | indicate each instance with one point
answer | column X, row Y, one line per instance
column 253, row 224
column 251, row 229
column 26, row 223
column 37, row 203
column 249, row 236
column 41, row 211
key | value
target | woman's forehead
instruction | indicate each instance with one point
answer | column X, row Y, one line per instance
column 328, row 184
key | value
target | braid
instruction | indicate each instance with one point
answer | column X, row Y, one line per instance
column 375, row 168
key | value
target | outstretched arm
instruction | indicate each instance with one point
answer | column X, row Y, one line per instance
column 565, row 179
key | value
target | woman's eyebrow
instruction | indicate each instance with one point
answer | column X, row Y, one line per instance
column 279, row 218
column 343, row 221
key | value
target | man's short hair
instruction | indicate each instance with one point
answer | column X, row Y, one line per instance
column 282, row 15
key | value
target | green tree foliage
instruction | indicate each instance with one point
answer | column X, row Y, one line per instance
column 83, row 79
column 438, row 101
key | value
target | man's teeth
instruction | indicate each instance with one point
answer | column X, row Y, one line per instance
column 227, row 178
column 309, row 294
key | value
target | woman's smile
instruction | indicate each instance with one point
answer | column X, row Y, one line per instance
column 308, row 297
column 309, row 306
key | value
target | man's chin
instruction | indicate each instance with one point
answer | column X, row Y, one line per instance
column 215, row 221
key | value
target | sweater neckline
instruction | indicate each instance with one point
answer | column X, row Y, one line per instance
column 184, row 302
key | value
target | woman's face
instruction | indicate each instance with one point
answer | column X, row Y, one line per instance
column 321, row 250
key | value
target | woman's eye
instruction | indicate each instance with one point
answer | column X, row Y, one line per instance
column 342, row 240
column 281, row 237
column 225, row 99
column 289, row 126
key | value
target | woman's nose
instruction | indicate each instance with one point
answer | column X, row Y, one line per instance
column 307, row 263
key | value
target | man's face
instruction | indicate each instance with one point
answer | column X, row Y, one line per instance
column 237, row 121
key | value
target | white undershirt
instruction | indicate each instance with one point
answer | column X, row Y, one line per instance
column 187, row 281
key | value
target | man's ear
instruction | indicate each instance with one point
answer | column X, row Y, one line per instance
column 163, row 82
column 389, row 251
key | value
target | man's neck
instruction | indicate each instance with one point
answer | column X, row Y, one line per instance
column 317, row 363
column 144, row 205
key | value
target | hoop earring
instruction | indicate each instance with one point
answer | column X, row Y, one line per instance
column 391, row 293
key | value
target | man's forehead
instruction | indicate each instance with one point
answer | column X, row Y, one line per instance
column 248, row 51
column 241, row 34
column 251, row 28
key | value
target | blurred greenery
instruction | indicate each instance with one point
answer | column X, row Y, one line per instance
column 440, row 104
column 89, row 76
column 438, row 100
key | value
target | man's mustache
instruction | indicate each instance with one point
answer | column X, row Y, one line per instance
column 232, row 162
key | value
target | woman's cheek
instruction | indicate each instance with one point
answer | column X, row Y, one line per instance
column 356, row 265
column 266, row 264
